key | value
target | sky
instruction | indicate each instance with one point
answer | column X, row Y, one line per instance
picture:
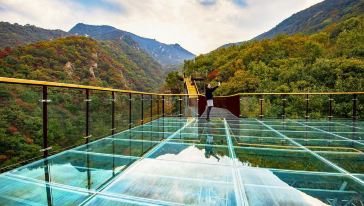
column 199, row 26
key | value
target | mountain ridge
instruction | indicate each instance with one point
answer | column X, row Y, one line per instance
column 312, row 19
column 12, row 35
column 316, row 17
column 165, row 54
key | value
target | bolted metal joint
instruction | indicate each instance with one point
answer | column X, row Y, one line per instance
column 87, row 137
column 45, row 100
column 45, row 149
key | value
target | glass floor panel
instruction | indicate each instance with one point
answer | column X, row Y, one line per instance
column 82, row 170
column 189, row 161
column 15, row 191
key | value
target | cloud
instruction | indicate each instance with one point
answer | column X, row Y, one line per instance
column 198, row 25
column 207, row 2
column 108, row 5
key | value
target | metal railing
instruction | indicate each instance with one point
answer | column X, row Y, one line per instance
column 306, row 101
column 142, row 107
column 147, row 105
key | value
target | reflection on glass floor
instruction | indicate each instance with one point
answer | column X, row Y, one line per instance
column 179, row 161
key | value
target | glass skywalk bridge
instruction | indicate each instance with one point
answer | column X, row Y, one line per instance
column 178, row 161
column 65, row 144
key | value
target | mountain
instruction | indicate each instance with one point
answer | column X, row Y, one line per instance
column 316, row 17
column 15, row 35
column 329, row 60
column 82, row 60
column 165, row 54
column 313, row 19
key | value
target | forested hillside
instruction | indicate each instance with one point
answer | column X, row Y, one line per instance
column 78, row 60
column 12, row 35
column 316, row 17
column 331, row 60
column 82, row 60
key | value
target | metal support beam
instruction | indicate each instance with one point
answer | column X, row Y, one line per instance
column 355, row 99
column 129, row 110
column 45, row 121
column 142, row 102
column 158, row 104
column 330, row 107
column 307, row 114
column 112, row 113
column 261, row 107
column 151, row 108
column 163, row 105
column 180, row 105
column 284, row 99
column 87, row 135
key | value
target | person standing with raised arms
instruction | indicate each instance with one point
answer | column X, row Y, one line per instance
column 209, row 98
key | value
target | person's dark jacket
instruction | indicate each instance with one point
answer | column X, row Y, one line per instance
column 209, row 91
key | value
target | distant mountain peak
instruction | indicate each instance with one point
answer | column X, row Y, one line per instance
column 165, row 54
column 314, row 18
column 15, row 34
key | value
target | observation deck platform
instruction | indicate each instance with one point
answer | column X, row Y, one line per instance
column 188, row 161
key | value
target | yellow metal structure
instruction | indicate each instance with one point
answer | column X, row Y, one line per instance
column 192, row 91
column 191, row 88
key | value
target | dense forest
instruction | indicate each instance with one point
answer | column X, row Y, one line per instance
column 84, row 61
column 329, row 60
column 78, row 60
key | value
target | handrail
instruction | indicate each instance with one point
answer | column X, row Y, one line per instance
column 292, row 93
column 76, row 86
column 194, row 82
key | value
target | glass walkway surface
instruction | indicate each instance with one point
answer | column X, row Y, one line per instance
column 188, row 161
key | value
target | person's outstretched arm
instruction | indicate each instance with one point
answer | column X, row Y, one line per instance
column 213, row 89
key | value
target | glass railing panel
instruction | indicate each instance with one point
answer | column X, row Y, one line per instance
column 20, row 124
column 319, row 106
column 136, row 109
column 121, row 112
column 343, row 107
column 146, row 108
column 296, row 106
column 66, row 118
column 100, row 114
column 168, row 106
column 250, row 106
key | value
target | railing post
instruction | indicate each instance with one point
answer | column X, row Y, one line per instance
column 151, row 107
column 330, row 106
column 284, row 106
column 45, row 121
column 355, row 99
column 129, row 110
column 180, row 105
column 113, row 129
column 87, row 115
column 142, row 117
column 240, row 100
column 307, row 115
column 261, row 107
column 113, row 113
column 163, row 105
column 158, row 104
